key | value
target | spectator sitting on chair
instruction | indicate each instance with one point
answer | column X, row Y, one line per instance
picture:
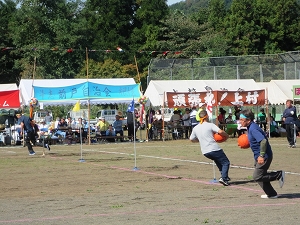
column 175, row 119
column 273, row 128
column 229, row 119
column 69, row 121
column 61, row 124
column 102, row 125
column 118, row 126
column 110, row 132
column 221, row 118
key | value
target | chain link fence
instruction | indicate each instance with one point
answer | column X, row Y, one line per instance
column 261, row 68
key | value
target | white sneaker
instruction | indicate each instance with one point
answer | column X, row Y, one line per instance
column 282, row 178
column 271, row 197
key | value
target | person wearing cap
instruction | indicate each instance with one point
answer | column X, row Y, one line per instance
column 102, row 126
column 204, row 134
column 26, row 126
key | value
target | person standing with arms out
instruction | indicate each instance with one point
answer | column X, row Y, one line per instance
column 263, row 155
column 289, row 117
column 204, row 133
column 26, row 126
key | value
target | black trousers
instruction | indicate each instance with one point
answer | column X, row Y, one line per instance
column 30, row 139
column 290, row 133
column 263, row 178
column 130, row 130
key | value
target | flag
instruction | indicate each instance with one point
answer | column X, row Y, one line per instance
column 165, row 53
column 76, row 107
column 119, row 49
column 131, row 106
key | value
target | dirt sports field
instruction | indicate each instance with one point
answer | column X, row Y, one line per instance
column 170, row 185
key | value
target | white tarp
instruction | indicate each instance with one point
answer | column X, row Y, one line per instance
column 156, row 88
column 278, row 91
column 26, row 89
column 8, row 87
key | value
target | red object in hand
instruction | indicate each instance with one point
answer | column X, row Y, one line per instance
column 219, row 138
column 243, row 141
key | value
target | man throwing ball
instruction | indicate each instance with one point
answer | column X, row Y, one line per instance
column 204, row 134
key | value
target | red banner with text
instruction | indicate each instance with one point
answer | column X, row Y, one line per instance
column 215, row 98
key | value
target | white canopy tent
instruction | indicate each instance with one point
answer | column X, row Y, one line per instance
column 156, row 88
column 26, row 89
column 279, row 90
column 8, row 87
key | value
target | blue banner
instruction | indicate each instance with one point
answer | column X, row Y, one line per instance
column 87, row 90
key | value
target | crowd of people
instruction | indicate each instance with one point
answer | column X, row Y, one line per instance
column 74, row 131
column 183, row 121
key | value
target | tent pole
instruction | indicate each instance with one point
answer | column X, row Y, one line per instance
column 267, row 111
column 87, row 79
column 216, row 112
column 163, row 119
column 138, row 73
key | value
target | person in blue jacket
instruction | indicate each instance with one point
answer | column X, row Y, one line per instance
column 263, row 155
column 26, row 126
column 289, row 117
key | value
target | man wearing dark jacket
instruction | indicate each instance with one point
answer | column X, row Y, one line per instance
column 289, row 117
column 26, row 126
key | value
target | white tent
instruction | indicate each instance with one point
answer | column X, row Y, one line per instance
column 278, row 91
column 26, row 88
column 156, row 88
column 8, row 87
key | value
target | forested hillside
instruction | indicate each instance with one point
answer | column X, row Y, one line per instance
column 54, row 39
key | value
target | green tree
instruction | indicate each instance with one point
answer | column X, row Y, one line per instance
column 280, row 25
column 108, row 69
column 183, row 35
column 110, row 24
column 8, row 73
column 147, row 23
column 217, row 13
column 48, row 35
column 241, row 28
column 258, row 27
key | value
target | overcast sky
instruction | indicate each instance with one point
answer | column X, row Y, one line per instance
column 171, row 2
